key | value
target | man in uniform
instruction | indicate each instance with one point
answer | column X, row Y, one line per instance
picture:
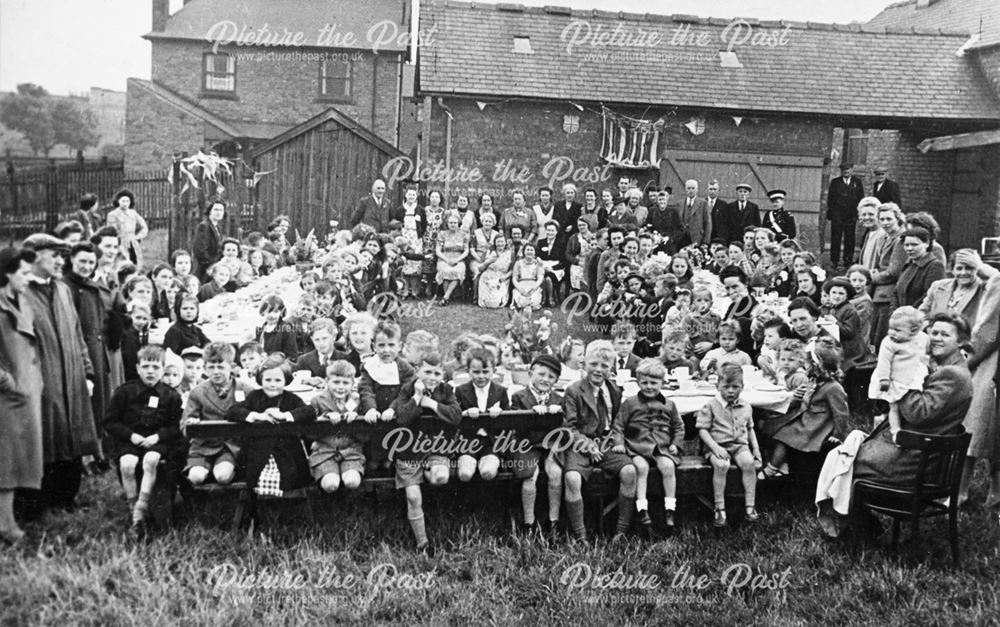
column 777, row 219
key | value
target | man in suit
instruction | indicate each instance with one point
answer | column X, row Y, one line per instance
column 724, row 219
column 373, row 210
column 885, row 189
column 695, row 215
column 746, row 211
column 842, row 201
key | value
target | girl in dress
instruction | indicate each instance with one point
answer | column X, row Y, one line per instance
column 528, row 275
column 131, row 226
column 434, row 215
column 902, row 361
column 680, row 266
column 578, row 249
column 495, row 273
column 452, row 250
column 185, row 332
column 411, row 249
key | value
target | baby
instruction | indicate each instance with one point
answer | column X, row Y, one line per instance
column 902, row 361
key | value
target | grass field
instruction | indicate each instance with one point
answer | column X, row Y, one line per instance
column 356, row 564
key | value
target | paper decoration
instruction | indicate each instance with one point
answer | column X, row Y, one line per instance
column 481, row 105
column 629, row 142
column 728, row 58
column 579, row 108
column 696, row 126
column 737, row 119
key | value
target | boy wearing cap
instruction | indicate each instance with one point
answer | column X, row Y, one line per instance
column 589, row 407
column 540, row 397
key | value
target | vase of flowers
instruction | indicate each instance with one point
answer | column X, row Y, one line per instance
column 304, row 251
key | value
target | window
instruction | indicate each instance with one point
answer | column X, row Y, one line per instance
column 335, row 78
column 856, row 146
column 220, row 73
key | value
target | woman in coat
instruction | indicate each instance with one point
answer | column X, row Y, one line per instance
column 937, row 409
column 130, row 225
column 207, row 244
column 963, row 291
column 922, row 268
column 20, row 390
column 981, row 421
column 90, row 309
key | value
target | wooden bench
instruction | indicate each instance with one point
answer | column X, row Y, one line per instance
column 694, row 474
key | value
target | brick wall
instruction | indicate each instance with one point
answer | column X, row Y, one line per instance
column 523, row 145
column 925, row 180
column 155, row 130
column 281, row 89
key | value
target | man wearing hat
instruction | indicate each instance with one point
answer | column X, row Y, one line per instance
column 777, row 219
column 746, row 211
column 885, row 189
column 69, row 431
column 842, row 201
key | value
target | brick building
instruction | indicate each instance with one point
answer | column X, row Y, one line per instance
column 507, row 87
column 228, row 74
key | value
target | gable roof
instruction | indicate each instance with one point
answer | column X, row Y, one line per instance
column 330, row 114
column 232, row 128
column 973, row 17
column 235, row 20
column 837, row 70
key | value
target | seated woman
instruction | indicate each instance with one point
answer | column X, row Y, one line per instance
column 938, row 409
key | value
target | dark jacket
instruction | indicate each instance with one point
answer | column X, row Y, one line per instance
column 465, row 394
column 725, row 221
column 407, row 411
column 90, row 309
column 310, row 361
column 375, row 215
column 567, row 216
column 781, row 222
column 130, row 412
column 749, row 216
column 666, row 222
column 289, row 452
column 183, row 335
column 381, row 397
column 555, row 252
column 853, row 341
column 888, row 192
column 842, row 199
column 206, row 248
column 916, row 279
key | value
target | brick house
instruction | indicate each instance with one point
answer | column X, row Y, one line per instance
column 507, row 87
column 229, row 74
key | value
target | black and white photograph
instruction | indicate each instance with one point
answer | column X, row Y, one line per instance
column 448, row 312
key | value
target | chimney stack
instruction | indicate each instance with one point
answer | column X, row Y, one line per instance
column 161, row 11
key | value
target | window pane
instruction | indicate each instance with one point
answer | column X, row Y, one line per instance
column 335, row 79
column 220, row 72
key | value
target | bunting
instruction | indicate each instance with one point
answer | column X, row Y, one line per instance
column 629, row 142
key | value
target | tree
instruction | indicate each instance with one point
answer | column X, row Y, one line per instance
column 45, row 120
column 73, row 125
column 28, row 112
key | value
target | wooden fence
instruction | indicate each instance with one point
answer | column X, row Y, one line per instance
column 36, row 199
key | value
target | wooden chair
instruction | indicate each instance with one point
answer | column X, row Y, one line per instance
column 934, row 490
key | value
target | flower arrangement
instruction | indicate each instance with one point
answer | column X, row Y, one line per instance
column 530, row 336
column 304, row 250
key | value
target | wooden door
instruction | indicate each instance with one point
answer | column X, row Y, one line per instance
column 800, row 177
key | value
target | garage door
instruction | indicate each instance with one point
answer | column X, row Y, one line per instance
column 801, row 177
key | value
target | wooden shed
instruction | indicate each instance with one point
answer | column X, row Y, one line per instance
column 319, row 170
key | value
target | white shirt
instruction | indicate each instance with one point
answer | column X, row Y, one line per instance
column 482, row 394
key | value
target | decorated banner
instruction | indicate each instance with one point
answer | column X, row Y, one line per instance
column 630, row 142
